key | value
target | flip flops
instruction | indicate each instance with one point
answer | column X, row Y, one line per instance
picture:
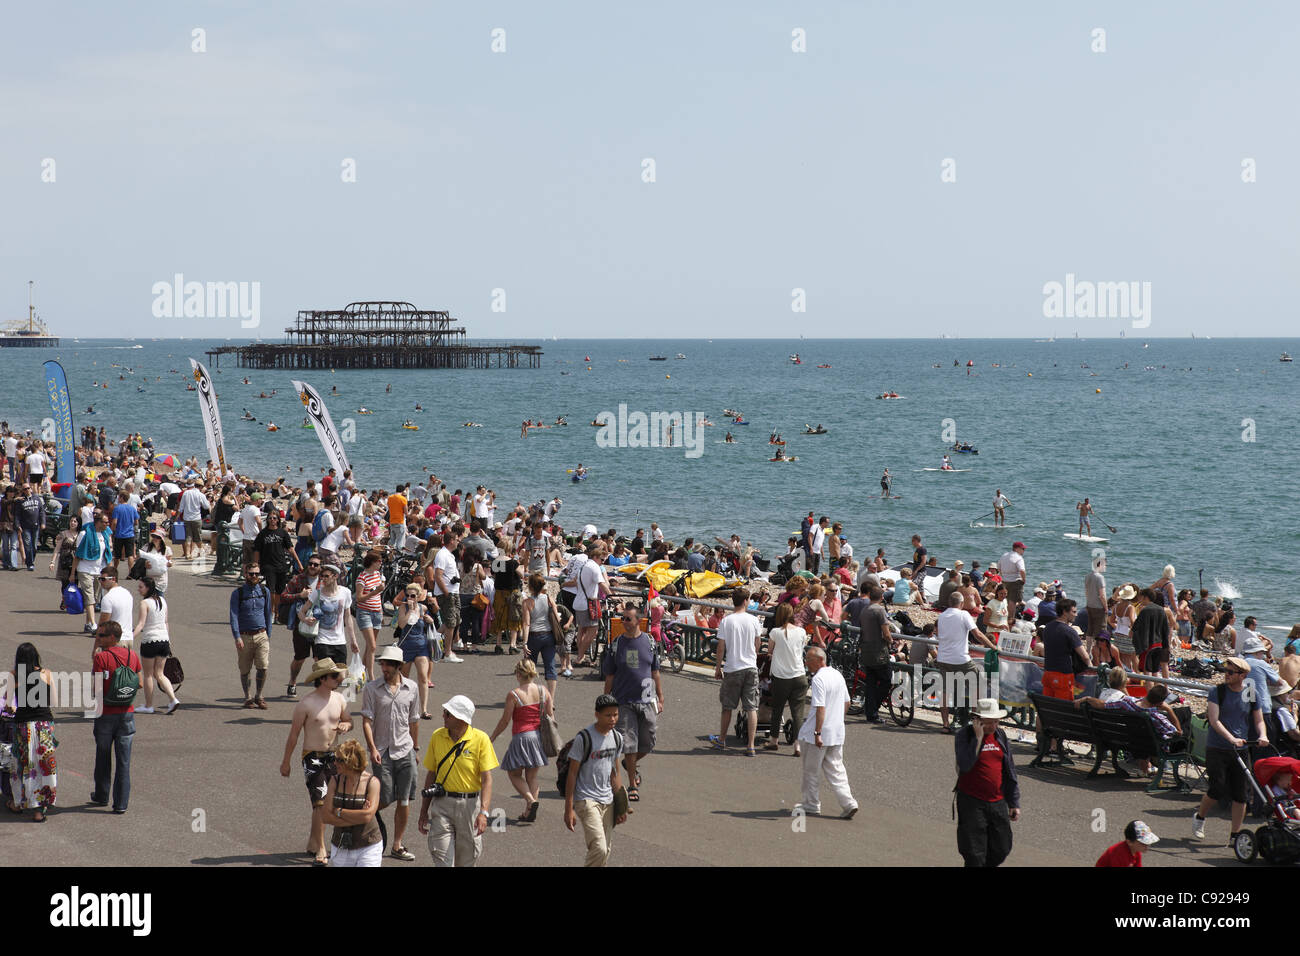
column 717, row 742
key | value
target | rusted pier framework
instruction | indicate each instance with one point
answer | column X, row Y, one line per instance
column 377, row 335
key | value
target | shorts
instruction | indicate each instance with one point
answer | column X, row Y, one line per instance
column 638, row 722
column 194, row 531
column 88, row 585
column 739, row 689
column 507, row 611
column 256, row 652
column 958, row 687
column 338, row 653
column 1015, row 591
column 585, row 620
column 317, row 769
column 1227, row 778
column 397, row 779
column 1123, row 643
column 370, row 619
column 302, row 646
column 274, row 580
column 1096, row 620
column 250, row 552
column 1058, row 685
column 414, row 648
column 449, row 610
column 155, row 649
column 1185, row 630
column 123, row 548
column 1156, row 656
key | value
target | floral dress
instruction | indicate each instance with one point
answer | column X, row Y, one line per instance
column 34, row 784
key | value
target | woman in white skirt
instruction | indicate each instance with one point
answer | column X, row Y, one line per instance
column 351, row 802
column 525, row 706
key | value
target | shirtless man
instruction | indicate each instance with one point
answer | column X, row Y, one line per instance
column 1000, row 502
column 320, row 717
column 1085, row 510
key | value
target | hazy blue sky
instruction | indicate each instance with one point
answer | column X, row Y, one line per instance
column 775, row 170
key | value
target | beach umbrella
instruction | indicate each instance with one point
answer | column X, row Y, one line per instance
column 165, row 461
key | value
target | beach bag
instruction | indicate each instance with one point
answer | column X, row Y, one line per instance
column 72, row 599
column 173, row 671
column 549, row 731
column 309, row 630
column 481, row 602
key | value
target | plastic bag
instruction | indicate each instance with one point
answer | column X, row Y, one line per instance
column 72, row 601
column 356, row 676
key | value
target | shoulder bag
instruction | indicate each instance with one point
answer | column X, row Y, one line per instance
column 549, row 730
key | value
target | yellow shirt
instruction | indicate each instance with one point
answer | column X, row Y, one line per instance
column 477, row 757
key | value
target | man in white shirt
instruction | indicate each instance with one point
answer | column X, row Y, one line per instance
column 250, row 523
column 1012, row 567
column 817, row 544
column 589, row 584
column 446, row 590
column 116, row 604
column 191, row 507
column 738, row 636
column 94, row 550
column 955, row 627
column 552, row 507
column 822, row 737
column 11, row 454
column 36, row 468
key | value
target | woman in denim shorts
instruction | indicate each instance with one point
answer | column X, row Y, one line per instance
column 369, row 590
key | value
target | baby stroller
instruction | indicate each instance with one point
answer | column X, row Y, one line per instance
column 788, row 729
column 1277, row 841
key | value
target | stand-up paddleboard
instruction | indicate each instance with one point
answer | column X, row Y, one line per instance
column 946, row 469
column 886, row 497
column 981, row 524
column 1090, row 539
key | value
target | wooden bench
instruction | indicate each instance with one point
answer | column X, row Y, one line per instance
column 1110, row 731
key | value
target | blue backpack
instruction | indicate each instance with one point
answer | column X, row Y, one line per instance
column 318, row 531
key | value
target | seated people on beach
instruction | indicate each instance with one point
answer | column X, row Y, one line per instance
column 905, row 592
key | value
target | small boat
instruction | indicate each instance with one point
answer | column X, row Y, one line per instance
column 739, row 422
column 273, row 427
column 823, row 366
column 889, row 395
column 309, row 425
column 247, row 418
column 820, row 431
column 795, row 359
column 410, row 426
column 190, row 388
column 795, row 458
column 679, row 356
column 659, row 358
column 731, row 413
column 780, row 442
column 1286, row 357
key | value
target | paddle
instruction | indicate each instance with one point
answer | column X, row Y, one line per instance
column 982, row 517
column 1111, row 528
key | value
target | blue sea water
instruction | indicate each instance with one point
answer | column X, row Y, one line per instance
column 1154, row 435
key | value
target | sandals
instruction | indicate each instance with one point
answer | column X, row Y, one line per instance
column 771, row 745
column 633, row 794
column 716, row 742
column 426, row 716
column 530, row 815
column 39, row 817
column 750, row 752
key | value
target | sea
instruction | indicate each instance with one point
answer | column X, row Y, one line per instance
column 1186, row 447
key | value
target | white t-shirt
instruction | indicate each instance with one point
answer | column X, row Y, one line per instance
column 334, row 540
column 954, row 627
column 478, row 506
column 589, row 578
column 88, row 565
column 87, row 513
column 1000, row 501
column 818, row 538
column 788, row 645
column 550, row 509
column 248, row 518
column 192, row 504
column 118, row 604
column 740, row 630
column 11, row 447
column 355, row 504
column 829, row 691
column 445, row 562
column 36, row 463
column 657, row 534
column 1012, row 566
column 331, row 613
column 169, row 488
column 571, row 569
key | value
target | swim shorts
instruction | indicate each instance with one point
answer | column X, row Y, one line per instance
column 317, row 768
column 1058, row 685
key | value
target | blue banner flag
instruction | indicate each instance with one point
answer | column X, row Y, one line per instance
column 56, row 383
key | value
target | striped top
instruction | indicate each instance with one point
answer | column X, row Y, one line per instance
column 367, row 580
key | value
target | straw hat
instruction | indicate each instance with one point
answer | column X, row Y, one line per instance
column 987, row 709
column 392, row 653
column 1127, row 593
column 324, row 668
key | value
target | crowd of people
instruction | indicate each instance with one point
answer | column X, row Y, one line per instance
column 473, row 584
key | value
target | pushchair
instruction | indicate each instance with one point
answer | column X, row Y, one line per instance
column 788, row 729
column 1278, row 840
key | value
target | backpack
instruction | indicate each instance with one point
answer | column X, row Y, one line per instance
column 123, row 684
column 562, row 759
column 318, row 531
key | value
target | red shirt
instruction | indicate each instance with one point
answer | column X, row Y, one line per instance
column 325, row 484
column 109, row 660
column 984, row 780
column 1120, row 855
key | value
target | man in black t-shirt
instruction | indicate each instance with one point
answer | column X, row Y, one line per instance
column 1151, row 633
column 274, row 548
column 507, row 603
column 873, row 652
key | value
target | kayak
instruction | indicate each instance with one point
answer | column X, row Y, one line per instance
column 578, row 478
column 795, row 458
column 412, row 428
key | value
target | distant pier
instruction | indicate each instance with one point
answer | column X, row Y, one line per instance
column 377, row 335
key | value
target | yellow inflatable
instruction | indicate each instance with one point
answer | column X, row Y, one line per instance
column 702, row 584
column 661, row 574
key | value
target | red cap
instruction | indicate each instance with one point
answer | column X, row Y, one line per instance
column 1018, row 544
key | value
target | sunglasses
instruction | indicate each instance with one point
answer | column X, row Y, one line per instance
column 313, row 564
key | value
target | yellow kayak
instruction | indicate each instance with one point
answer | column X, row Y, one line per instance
column 702, row 584
column 412, row 428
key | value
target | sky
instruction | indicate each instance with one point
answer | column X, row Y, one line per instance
column 509, row 186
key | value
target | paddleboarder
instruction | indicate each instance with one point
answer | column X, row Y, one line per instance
column 1084, row 508
column 886, row 485
column 1000, row 502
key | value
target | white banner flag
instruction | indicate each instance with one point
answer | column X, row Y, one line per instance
column 211, row 417
column 320, row 417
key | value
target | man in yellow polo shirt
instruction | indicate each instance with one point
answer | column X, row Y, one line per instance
column 457, row 794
